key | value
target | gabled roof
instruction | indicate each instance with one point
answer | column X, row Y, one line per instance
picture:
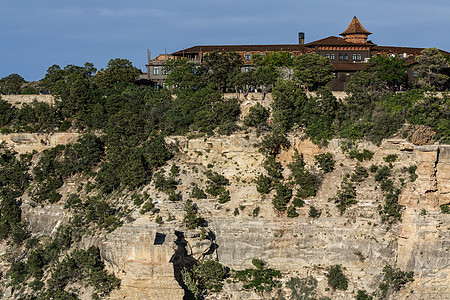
column 226, row 48
column 355, row 27
column 335, row 41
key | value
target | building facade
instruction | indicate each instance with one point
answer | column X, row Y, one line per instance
column 347, row 54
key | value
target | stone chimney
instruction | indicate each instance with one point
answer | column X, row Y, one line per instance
column 301, row 38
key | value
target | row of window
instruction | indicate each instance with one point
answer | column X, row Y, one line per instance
column 156, row 71
column 344, row 56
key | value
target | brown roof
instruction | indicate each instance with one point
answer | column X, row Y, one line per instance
column 355, row 27
column 350, row 66
column 335, row 41
column 397, row 50
column 226, row 48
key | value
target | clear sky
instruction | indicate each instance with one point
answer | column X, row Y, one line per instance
column 36, row 34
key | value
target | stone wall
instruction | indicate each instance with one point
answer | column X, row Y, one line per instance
column 29, row 142
column 18, row 100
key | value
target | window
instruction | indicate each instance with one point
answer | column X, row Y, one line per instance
column 356, row 56
column 155, row 70
column 164, row 71
column 343, row 56
column 336, row 75
column 248, row 56
column 415, row 73
column 330, row 56
column 248, row 69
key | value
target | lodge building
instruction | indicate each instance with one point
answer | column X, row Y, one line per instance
column 347, row 54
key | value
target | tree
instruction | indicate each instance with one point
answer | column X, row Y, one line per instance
column 11, row 84
column 257, row 116
column 266, row 76
column 117, row 70
column 206, row 276
column 6, row 112
column 262, row 279
column 433, row 69
column 221, row 68
column 336, row 278
column 287, row 104
column 183, row 74
column 274, row 59
column 313, row 71
column 244, row 81
column 388, row 73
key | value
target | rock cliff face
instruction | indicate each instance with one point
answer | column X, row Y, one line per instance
column 29, row 142
column 148, row 257
column 301, row 246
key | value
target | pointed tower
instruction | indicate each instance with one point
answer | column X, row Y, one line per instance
column 355, row 32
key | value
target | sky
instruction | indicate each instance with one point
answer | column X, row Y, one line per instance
column 35, row 34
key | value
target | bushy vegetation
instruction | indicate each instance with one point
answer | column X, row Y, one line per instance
column 259, row 279
column 14, row 179
column 307, row 182
column 204, row 277
column 393, row 280
column 191, row 218
column 325, row 162
column 304, row 289
column 337, row 278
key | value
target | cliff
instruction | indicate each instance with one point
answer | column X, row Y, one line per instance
column 149, row 257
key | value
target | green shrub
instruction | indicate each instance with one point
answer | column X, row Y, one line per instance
column 148, row 206
column 273, row 168
column 273, row 142
column 390, row 158
column 303, row 289
column 346, row 196
column 412, row 173
column 164, row 184
column 256, row 211
column 158, row 220
column 359, row 174
column 224, row 196
column 261, row 279
column 257, row 116
column 360, row 156
column 191, row 219
column 445, row 209
column 282, row 197
column 197, row 193
column 314, row 212
column 325, row 162
column 362, row 295
column 306, row 180
column 204, row 277
column 291, row 212
column 216, row 183
column 336, row 278
column 393, row 280
column 298, row 202
column 264, row 184
column 382, row 174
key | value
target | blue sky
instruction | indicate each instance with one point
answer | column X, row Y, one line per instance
column 37, row 34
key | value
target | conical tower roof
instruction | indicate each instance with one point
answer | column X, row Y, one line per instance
column 355, row 27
